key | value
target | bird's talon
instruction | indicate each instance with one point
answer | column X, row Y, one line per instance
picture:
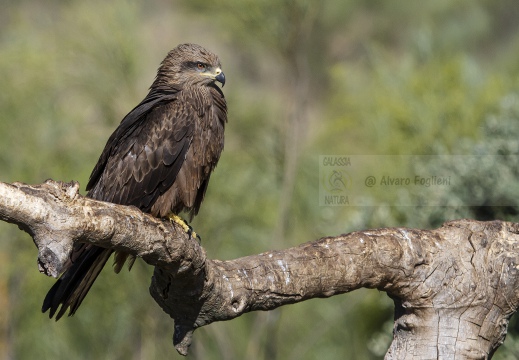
column 188, row 229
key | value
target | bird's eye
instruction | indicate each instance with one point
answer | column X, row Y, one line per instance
column 200, row 66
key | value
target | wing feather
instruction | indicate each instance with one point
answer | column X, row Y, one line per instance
column 127, row 127
column 155, row 180
column 151, row 165
column 153, row 156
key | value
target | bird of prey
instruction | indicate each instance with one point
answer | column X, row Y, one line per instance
column 159, row 159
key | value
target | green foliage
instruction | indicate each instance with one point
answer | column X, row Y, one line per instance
column 384, row 78
column 487, row 173
column 417, row 104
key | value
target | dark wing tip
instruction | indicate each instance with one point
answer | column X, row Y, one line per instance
column 52, row 303
column 71, row 288
column 49, row 301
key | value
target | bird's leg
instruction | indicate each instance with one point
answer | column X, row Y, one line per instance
column 183, row 223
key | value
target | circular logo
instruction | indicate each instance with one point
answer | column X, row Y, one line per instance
column 336, row 180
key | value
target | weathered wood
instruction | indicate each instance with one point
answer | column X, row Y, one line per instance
column 454, row 287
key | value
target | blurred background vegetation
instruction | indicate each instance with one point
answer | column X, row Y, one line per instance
column 305, row 78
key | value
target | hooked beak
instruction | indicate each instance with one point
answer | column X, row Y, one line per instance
column 220, row 76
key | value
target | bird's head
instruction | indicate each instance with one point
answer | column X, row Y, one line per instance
column 190, row 64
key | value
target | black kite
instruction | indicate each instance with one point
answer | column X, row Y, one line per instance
column 159, row 159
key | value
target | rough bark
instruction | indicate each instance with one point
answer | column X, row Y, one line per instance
column 454, row 287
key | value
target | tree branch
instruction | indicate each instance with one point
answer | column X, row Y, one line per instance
column 454, row 287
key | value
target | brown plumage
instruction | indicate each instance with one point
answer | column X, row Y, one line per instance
column 159, row 159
